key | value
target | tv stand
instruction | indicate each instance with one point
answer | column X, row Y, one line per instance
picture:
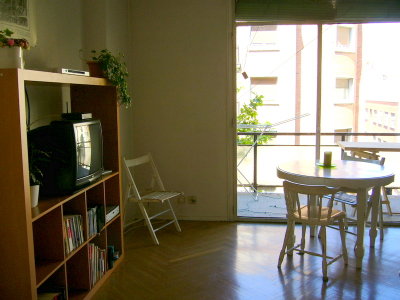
column 34, row 256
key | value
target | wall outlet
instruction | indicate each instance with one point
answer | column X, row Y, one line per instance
column 191, row 199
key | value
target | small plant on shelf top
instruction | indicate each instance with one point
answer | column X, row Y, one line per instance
column 7, row 41
column 115, row 71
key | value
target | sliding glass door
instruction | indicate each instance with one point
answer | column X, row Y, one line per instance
column 300, row 89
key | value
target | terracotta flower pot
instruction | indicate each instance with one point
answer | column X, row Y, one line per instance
column 95, row 69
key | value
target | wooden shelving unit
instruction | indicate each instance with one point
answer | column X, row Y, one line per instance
column 32, row 250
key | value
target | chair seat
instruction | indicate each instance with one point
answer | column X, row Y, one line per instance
column 336, row 214
column 159, row 196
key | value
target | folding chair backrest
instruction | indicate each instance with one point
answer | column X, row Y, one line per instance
column 316, row 212
column 144, row 167
column 131, row 164
column 381, row 161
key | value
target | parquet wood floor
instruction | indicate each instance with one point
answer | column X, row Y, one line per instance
column 237, row 261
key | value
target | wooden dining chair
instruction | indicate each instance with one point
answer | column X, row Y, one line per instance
column 373, row 158
column 313, row 213
column 148, row 188
column 349, row 197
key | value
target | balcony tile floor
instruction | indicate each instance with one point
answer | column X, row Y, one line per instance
column 271, row 205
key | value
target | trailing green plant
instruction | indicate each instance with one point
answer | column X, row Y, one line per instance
column 115, row 71
column 248, row 116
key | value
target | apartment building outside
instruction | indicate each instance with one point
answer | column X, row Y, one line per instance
column 360, row 79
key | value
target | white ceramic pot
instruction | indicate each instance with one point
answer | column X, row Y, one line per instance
column 34, row 195
column 11, row 58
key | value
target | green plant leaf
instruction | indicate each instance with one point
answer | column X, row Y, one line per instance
column 116, row 72
column 248, row 116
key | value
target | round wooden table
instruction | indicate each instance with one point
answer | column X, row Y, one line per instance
column 349, row 175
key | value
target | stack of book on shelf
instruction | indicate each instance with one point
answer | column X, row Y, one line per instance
column 73, row 233
column 97, row 263
column 95, row 219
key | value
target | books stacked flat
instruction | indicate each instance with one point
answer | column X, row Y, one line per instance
column 97, row 263
column 73, row 233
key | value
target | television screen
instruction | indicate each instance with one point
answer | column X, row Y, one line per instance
column 88, row 148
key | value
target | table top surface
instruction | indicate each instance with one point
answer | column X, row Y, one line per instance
column 369, row 146
column 351, row 174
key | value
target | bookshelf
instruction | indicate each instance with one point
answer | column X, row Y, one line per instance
column 33, row 253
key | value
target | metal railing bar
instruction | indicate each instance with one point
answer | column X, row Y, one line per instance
column 323, row 133
column 255, row 135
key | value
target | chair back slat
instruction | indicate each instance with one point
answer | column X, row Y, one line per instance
column 312, row 208
column 132, row 188
column 380, row 161
column 154, row 182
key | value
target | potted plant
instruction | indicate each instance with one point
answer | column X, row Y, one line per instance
column 37, row 159
column 11, row 50
column 114, row 69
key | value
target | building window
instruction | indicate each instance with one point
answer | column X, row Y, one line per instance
column 344, row 90
column 392, row 121
column 344, row 38
column 265, row 86
column 386, row 120
column 264, row 38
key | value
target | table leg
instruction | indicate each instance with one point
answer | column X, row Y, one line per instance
column 374, row 214
column 361, row 218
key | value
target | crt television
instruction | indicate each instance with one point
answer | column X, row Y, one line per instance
column 75, row 149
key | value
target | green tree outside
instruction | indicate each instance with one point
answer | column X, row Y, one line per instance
column 248, row 116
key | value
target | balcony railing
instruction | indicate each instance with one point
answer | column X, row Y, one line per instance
column 270, row 155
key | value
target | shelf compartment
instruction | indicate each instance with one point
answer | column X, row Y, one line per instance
column 55, row 283
column 114, row 238
column 78, row 274
column 95, row 195
column 48, row 256
column 74, row 217
column 45, row 269
column 112, row 188
column 85, row 98
column 95, row 209
column 98, row 257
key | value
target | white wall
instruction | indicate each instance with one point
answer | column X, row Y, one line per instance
column 106, row 26
column 58, row 28
column 179, row 58
column 181, row 77
column 64, row 28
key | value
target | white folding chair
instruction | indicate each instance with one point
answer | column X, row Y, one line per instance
column 143, row 192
